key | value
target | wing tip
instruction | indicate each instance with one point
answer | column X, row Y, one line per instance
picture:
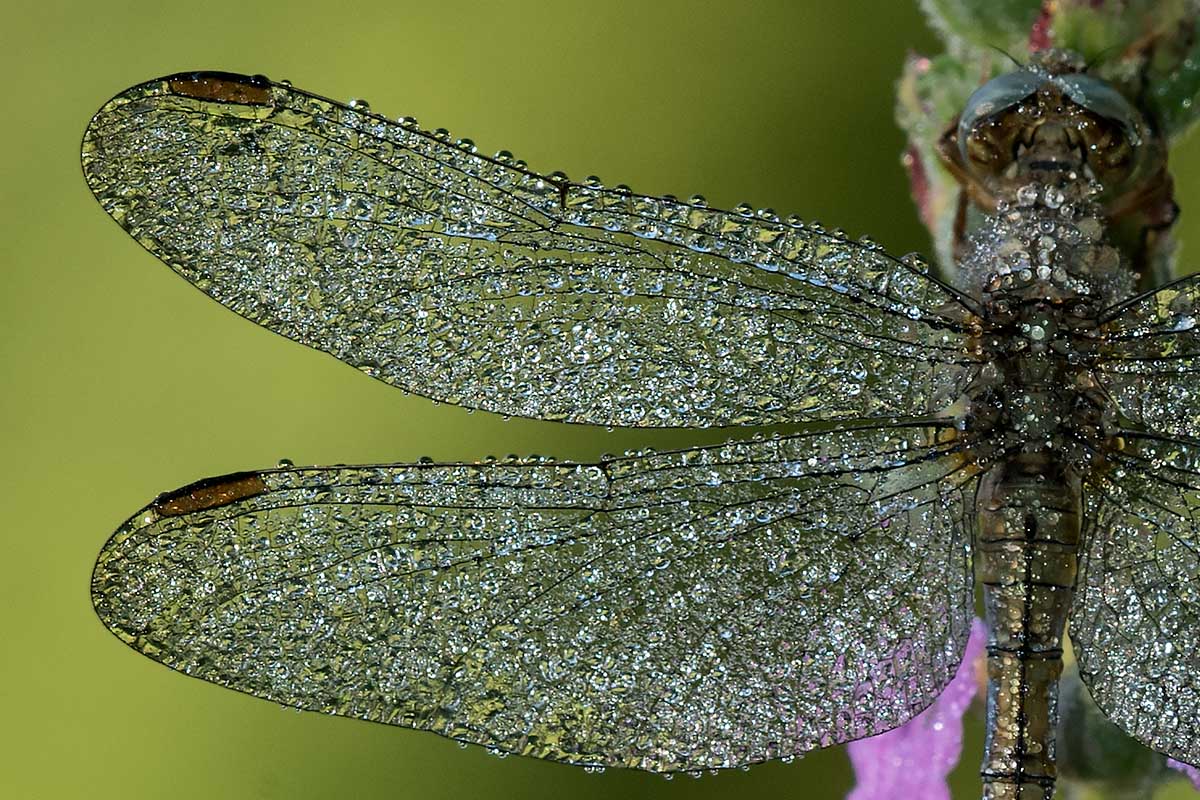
column 210, row 86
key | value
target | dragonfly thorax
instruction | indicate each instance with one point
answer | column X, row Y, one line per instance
column 1042, row 271
column 1037, row 397
column 1045, row 241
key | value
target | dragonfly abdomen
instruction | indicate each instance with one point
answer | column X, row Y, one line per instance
column 1028, row 512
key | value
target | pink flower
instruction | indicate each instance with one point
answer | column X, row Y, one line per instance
column 1191, row 772
column 914, row 759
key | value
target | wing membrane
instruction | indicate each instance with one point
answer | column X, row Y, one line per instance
column 697, row 609
column 1136, row 621
column 1150, row 358
column 474, row 281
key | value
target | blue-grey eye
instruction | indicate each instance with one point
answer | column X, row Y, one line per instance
column 1101, row 99
column 994, row 96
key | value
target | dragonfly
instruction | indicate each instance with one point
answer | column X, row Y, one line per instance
column 1029, row 426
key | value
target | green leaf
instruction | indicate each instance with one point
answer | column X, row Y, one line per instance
column 983, row 24
column 1174, row 92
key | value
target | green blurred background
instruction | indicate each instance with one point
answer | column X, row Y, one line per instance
column 121, row 381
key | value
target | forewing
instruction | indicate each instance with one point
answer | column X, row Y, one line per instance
column 1136, row 620
column 477, row 282
column 688, row 610
column 1149, row 358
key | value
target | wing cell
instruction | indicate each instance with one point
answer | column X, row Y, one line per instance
column 1136, row 620
column 1149, row 358
column 697, row 609
column 474, row 281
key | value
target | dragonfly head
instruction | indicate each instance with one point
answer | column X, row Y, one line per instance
column 1048, row 120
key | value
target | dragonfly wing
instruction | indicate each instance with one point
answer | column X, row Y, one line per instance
column 1150, row 358
column 1136, row 621
column 687, row 610
column 477, row 282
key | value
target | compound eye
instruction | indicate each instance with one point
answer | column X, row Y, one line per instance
column 995, row 96
column 1100, row 98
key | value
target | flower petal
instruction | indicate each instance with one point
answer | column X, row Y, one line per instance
column 914, row 759
column 1191, row 772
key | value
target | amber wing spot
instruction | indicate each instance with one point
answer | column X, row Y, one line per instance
column 222, row 87
column 210, row 493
